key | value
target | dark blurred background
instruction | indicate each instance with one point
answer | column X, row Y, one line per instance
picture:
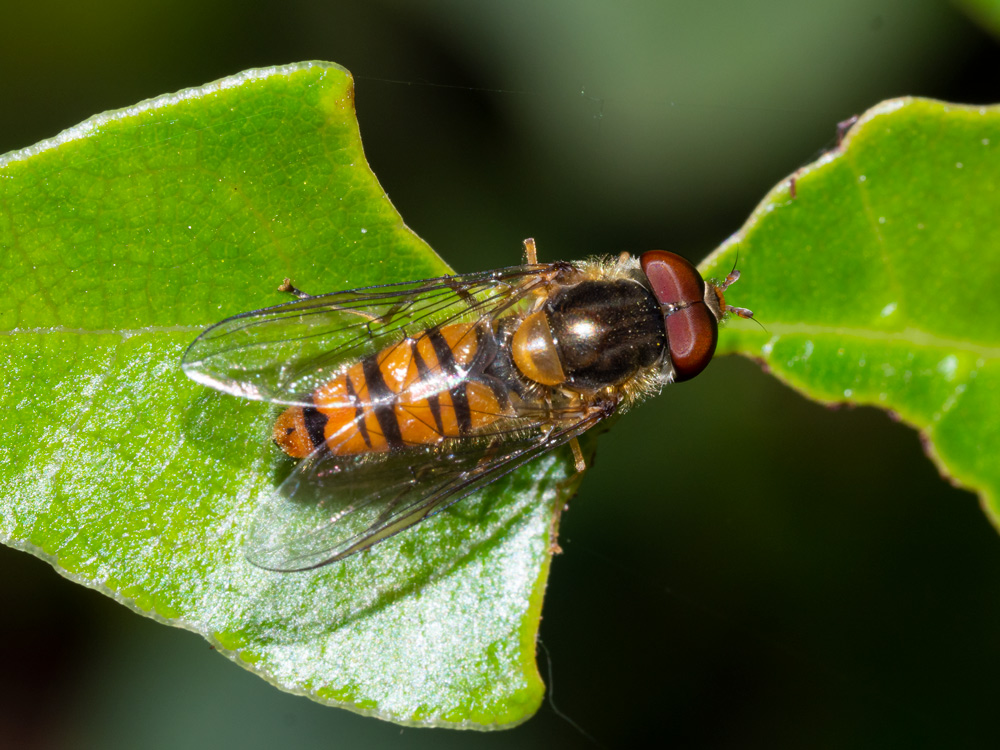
column 766, row 572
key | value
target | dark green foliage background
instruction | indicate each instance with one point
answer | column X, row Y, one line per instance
column 767, row 572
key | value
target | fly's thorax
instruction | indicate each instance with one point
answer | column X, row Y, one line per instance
column 591, row 335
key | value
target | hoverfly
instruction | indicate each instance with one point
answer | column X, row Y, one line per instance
column 402, row 399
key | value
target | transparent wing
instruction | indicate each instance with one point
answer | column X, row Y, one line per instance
column 282, row 354
column 333, row 506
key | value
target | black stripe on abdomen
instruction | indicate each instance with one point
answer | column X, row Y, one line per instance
column 459, row 398
column 315, row 422
column 423, row 372
column 382, row 401
column 359, row 411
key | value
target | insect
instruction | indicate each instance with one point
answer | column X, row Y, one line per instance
column 402, row 399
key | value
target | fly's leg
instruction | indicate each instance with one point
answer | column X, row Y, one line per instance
column 581, row 464
column 530, row 253
column 574, row 443
column 490, row 452
column 596, row 411
column 286, row 286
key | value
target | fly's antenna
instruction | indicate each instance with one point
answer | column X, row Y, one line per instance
column 751, row 317
column 732, row 277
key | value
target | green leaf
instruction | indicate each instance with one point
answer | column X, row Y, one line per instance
column 878, row 282
column 122, row 239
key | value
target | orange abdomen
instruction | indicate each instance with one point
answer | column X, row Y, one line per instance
column 408, row 394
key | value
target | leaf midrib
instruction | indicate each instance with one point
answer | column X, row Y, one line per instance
column 125, row 333
column 915, row 336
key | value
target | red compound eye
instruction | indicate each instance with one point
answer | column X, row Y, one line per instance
column 692, row 328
